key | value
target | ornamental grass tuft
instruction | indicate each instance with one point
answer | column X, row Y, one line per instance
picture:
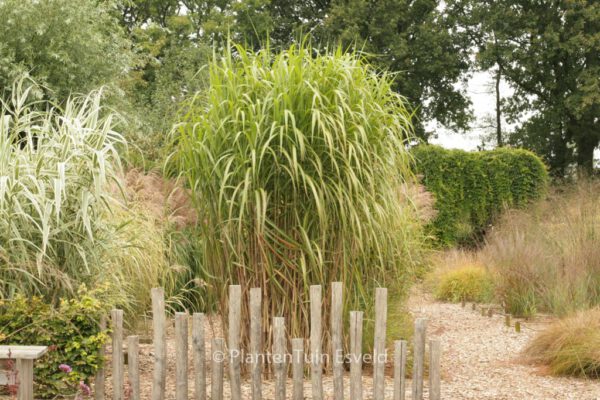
column 297, row 163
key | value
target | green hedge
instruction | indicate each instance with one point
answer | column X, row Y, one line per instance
column 471, row 188
column 71, row 332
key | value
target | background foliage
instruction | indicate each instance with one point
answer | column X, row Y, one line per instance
column 66, row 46
column 471, row 188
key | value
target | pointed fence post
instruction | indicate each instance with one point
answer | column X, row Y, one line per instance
column 316, row 368
column 233, row 340
column 117, row 354
column 256, row 342
column 419, row 358
column 133, row 365
column 356, row 326
column 199, row 349
column 160, row 344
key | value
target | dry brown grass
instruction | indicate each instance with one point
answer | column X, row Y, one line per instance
column 164, row 198
column 570, row 346
column 547, row 259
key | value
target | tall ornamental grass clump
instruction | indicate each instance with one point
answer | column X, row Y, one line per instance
column 65, row 218
column 55, row 166
column 297, row 162
column 548, row 259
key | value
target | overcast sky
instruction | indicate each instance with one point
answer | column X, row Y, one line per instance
column 482, row 95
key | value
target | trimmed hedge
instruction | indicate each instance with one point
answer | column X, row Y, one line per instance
column 471, row 188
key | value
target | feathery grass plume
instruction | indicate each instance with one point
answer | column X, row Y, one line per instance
column 548, row 258
column 297, row 163
column 570, row 346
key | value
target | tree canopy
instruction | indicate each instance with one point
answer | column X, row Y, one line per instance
column 154, row 52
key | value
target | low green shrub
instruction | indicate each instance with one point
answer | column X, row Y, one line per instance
column 570, row 346
column 471, row 188
column 468, row 283
column 70, row 330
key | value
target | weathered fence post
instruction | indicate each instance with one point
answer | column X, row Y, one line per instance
column 160, row 344
column 199, row 356
column 400, row 351
column 434, row 369
column 100, row 374
column 279, row 355
column 316, row 368
column 181, row 356
column 218, row 355
column 256, row 342
column 117, row 353
column 379, row 344
column 356, row 325
column 298, row 368
column 233, row 340
column 337, row 350
column 133, row 365
column 419, row 358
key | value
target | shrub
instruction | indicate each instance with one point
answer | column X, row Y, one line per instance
column 70, row 330
column 293, row 160
column 570, row 346
column 472, row 188
column 469, row 283
column 548, row 259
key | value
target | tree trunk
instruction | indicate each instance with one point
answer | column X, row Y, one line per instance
column 499, row 140
column 586, row 141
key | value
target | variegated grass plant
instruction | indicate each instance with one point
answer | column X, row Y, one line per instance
column 63, row 219
column 55, row 166
column 297, row 162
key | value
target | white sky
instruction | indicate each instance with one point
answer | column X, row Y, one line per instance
column 484, row 103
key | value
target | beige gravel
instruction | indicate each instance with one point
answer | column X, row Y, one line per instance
column 481, row 356
column 480, row 360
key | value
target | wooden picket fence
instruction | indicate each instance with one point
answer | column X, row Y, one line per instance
column 279, row 353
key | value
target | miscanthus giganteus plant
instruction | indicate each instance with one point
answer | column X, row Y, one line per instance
column 297, row 162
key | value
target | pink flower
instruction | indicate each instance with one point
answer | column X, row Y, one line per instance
column 65, row 368
column 85, row 389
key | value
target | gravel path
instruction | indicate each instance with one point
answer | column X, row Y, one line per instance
column 481, row 356
column 480, row 360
